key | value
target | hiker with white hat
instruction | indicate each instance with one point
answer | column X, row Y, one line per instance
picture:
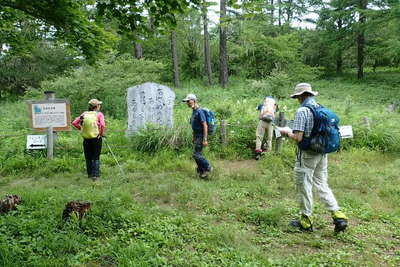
column 92, row 126
column 199, row 125
column 311, row 168
column 266, row 117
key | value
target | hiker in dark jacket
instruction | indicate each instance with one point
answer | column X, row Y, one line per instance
column 92, row 126
column 311, row 168
column 200, row 135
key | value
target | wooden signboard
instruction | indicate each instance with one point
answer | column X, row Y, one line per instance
column 54, row 113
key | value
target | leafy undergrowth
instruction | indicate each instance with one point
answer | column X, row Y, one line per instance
column 161, row 214
column 170, row 217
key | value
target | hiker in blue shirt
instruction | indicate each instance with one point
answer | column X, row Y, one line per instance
column 200, row 135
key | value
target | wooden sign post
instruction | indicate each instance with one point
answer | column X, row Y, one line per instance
column 281, row 123
column 50, row 115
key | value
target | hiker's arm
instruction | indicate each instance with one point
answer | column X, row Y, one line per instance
column 299, row 125
column 296, row 136
column 77, row 122
column 205, row 133
column 102, row 124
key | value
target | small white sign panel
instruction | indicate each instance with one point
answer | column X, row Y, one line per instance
column 36, row 142
column 49, row 115
column 346, row 131
column 277, row 132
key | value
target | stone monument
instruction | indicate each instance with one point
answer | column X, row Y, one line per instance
column 149, row 103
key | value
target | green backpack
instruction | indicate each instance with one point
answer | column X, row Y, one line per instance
column 89, row 128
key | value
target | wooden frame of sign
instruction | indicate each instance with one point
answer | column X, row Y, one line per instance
column 55, row 105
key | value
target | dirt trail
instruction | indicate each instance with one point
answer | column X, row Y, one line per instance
column 234, row 166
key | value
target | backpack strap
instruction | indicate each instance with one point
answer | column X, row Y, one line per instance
column 305, row 143
column 312, row 108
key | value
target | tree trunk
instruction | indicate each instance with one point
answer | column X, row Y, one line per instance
column 207, row 58
column 361, row 40
column 138, row 51
column 223, row 55
column 339, row 63
column 280, row 13
column 137, row 47
column 339, row 52
column 289, row 11
column 360, row 55
column 175, row 59
column 272, row 11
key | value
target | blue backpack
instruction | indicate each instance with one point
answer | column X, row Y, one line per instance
column 325, row 135
column 211, row 121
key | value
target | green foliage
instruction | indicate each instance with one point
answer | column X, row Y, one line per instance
column 133, row 16
column 44, row 62
column 161, row 214
column 256, row 54
column 264, row 217
column 377, row 139
column 70, row 20
column 334, row 44
column 19, row 31
column 107, row 81
column 153, row 139
column 153, row 219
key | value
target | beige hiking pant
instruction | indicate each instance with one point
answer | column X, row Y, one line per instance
column 262, row 126
column 311, row 169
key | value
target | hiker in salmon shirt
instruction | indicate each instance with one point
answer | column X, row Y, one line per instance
column 92, row 126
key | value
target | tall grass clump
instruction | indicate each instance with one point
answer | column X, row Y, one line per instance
column 153, row 139
column 379, row 139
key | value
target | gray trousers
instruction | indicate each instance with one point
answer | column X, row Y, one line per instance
column 311, row 170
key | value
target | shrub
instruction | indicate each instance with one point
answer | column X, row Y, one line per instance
column 19, row 72
column 108, row 81
column 378, row 139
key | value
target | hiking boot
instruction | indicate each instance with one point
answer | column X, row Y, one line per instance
column 206, row 173
column 258, row 154
column 203, row 175
column 340, row 221
column 304, row 223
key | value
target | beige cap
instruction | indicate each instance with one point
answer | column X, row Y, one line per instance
column 189, row 97
column 302, row 88
column 94, row 102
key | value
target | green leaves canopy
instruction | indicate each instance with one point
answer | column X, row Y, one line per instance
column 72, row 23
column 70, row 20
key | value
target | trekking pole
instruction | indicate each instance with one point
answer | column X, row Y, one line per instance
column 115, row 158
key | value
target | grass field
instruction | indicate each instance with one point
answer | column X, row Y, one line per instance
column 161, row 214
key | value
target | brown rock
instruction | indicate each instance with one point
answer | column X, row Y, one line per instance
column 9, row 203
column 78, row 207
